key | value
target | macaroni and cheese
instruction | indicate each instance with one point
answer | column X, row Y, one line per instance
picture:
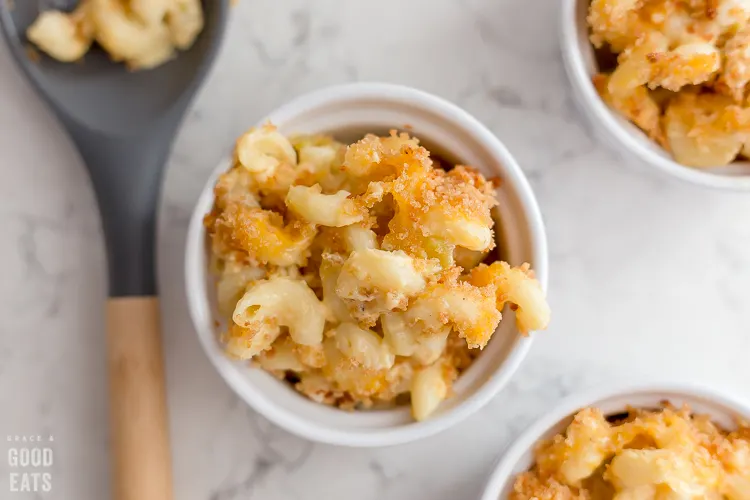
column 357, row 273
column 647, row 455
column 682, row 73
column 141, row 33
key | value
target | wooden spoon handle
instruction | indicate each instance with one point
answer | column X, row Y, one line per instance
column 142, row 469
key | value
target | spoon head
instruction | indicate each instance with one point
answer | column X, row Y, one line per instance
column 104, row 95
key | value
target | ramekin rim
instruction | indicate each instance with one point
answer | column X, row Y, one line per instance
column 299, row 425
column 598, row 112
column 590, row 397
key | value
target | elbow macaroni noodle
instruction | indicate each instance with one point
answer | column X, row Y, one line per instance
column 334, row 210
column 338, row 267
column 650, row 455
column 142, row 33
column 682, row 73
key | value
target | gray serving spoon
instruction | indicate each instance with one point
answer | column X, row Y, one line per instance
column 123, row 124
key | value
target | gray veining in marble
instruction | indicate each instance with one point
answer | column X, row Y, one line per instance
column 649, row 277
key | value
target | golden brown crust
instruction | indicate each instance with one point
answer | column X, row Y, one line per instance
column 678, row 48
column 397, row 257
column 261, row 235
column 580, row 463
column 531, row 487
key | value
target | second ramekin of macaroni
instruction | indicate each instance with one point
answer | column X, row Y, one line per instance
column 641, row 442
column 369, row 267
column 663, row 82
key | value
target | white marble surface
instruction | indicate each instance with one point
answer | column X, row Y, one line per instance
column 649, row 278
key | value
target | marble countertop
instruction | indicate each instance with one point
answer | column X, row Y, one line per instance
column 650, row 278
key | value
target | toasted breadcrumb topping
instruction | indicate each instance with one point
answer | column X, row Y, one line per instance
column 355, row 272
column 648, row 455
column 678, row 59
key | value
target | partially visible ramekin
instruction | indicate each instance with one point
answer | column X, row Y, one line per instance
column 723, row 409
column 347, row 112
column 580, row 65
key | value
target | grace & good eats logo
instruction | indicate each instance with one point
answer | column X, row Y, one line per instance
column 30, row 460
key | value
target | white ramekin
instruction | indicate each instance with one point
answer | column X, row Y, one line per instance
column 347, row 112
column 580, row 65
column 724, row 410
